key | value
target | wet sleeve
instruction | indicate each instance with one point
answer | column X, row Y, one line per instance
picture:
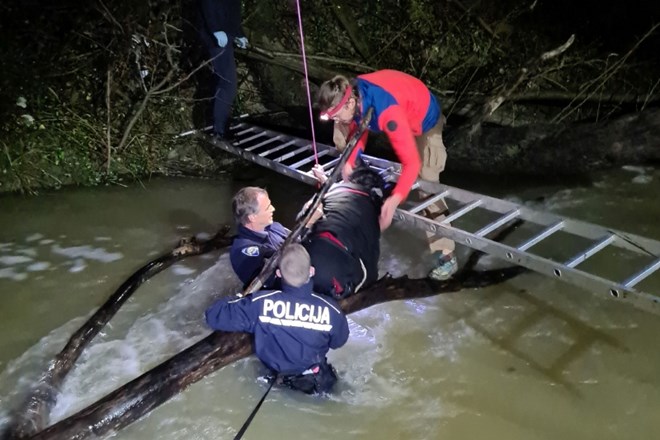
column 231, row 315
column 394, row 123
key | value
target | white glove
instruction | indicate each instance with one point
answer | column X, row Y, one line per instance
column 241, row 42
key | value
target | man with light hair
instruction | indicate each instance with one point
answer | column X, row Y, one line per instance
column 293, row 328
column 258, row 236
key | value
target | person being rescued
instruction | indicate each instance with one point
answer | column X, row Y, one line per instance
column 293, row 328
column 344, row 243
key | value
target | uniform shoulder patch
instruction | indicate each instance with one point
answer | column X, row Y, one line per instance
column 391, row 125
column 251, row 251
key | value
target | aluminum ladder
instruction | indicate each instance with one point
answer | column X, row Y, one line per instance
column 559, row 247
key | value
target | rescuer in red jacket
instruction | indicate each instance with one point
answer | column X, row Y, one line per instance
column 408, row 113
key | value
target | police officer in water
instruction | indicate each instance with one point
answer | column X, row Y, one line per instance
column 258, row 236
column 293, row 328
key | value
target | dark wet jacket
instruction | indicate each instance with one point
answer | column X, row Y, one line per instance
column 219, row 15
column 293, row 329
column 346, row 240
column 250, row 249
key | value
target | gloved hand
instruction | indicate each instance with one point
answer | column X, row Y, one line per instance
column 221, row 37
column 241, row 42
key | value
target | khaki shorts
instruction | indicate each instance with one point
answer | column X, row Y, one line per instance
column 432, row 152
column 430, row 146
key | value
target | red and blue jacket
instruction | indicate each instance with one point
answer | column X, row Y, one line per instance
column 293, row 329
column 404, row 108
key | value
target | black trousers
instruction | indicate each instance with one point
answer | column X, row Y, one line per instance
column 337, row 272
column 319, row 378
column 224, row 72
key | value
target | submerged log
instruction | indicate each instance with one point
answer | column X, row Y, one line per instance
column 557, row 149
column 138, row 397
column 32, row 416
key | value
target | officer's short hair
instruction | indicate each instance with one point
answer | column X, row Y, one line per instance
column 294, row 265
column 245, row 203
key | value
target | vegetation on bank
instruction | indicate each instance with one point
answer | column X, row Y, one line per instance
column 96, row 93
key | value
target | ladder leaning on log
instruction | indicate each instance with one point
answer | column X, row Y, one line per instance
column 541, row 244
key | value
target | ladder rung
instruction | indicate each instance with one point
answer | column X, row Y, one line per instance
column 248, row 139
column 261, row 144
column 247, row 130
column 542, row 236
column 648, row 270
column 276, row 149
column 464, row 210
column 497, row 223
column 580, row 257
column 330, row 164
column 290, row 154
column 428, row 202
column 300, row 163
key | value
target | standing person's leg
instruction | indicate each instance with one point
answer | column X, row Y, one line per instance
column 224, row 69
column 433, row 153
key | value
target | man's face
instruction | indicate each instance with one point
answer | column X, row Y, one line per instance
column 346, row 113
column 264, row 215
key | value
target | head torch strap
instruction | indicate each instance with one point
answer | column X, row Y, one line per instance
column 334, row 110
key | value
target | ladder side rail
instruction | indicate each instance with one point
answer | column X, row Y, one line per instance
column 266, row 163
column 624, row 240
column 536, row 263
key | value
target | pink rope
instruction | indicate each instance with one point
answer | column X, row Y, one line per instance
column 309, row 99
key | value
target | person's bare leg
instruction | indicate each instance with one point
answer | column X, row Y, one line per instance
column 434, row 155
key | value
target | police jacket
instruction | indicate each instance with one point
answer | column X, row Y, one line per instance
column 250, row 249
column 350, row 213
column 293, row 328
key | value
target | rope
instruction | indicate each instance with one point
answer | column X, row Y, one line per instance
column 244, row 428
column 309, row 99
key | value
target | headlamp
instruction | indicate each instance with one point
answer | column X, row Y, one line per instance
column 330, row 113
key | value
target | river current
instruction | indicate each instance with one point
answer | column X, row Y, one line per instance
column 530, row 359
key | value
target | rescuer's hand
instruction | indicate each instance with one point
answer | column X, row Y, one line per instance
column 319, row 174
column 387, row 211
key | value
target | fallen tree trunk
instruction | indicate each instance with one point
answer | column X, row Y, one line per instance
column 557, row 149
column 32, row 416
column 138, row 397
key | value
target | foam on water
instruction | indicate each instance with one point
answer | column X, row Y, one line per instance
column 21, row 261
column 151, row 339
column 87, row 252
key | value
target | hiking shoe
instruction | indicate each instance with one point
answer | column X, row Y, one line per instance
column 445, row 268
